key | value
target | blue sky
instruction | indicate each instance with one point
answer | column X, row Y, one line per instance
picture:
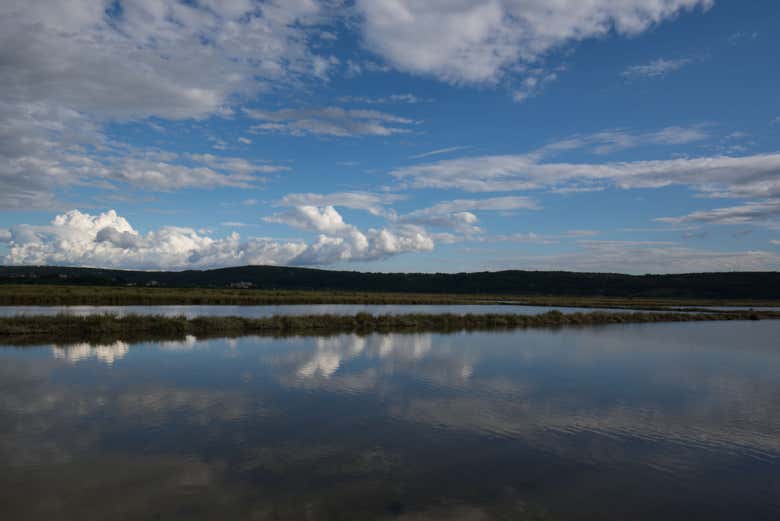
column 391, row 135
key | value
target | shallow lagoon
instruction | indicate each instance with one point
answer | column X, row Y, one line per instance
column 651, row 421
column 191, row 311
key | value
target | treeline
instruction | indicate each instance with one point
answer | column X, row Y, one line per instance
column 727, row 285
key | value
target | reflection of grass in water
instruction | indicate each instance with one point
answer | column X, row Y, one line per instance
column 54, row 295
column 108, row 327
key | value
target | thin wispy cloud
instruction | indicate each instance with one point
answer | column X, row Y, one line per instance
column 609, row 141
column 742, row 36
column 656, row 68
column 329, row 121
column 459, row 214
column 714, row 176
column 438, row 152
column 385, row 100
column 532, row 84
column 767, row 212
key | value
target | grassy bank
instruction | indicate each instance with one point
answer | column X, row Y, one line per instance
column 59, row 328
column 54, row 295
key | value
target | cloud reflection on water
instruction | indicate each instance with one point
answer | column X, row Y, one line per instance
column 678, row 407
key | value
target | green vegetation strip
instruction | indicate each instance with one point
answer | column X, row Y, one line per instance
column 63, row 295
column 64, row 327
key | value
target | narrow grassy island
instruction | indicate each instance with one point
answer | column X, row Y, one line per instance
column 40, row 329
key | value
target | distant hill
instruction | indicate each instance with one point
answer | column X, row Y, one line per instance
column 745, row 285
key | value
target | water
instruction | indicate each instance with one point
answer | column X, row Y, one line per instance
column 297, row 309
column 627, row 422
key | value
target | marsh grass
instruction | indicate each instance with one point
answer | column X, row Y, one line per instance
column 64, row 295
column 109, row 327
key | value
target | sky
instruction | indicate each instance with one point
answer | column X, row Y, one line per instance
column 391, row 135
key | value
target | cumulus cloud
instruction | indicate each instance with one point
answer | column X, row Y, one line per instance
column 655, row 68
column 746, row 176
column 108, row 240
column 479, row 41
column 311, row 218
column 346, row 241
column 374, row 244
column 330, row 121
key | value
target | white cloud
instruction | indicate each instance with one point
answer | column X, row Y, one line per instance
column 532, row 84
column 151, row 174
column 775, row 242
column 491, row 204
column 70, row 69
column 458, row 215
column 741, row 36
column 639, row 257
column 44, row 148
column 245, row 141
column 609, row 141
column 311, row 218
column 766, row 212
column 108, row 240
column 520, row 238
column 159, row 57
column 329, row 121
column 747, row 176
column 345, row 241
column 373, row 203
column 40, row 151
column 656, row 68
column 385, row 100
column 373, row 245
column 478, row 41
column 537, row 238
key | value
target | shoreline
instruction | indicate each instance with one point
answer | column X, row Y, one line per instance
column 30, row 329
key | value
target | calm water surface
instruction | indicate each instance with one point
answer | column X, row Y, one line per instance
column 297, row 309
column 629, row 422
